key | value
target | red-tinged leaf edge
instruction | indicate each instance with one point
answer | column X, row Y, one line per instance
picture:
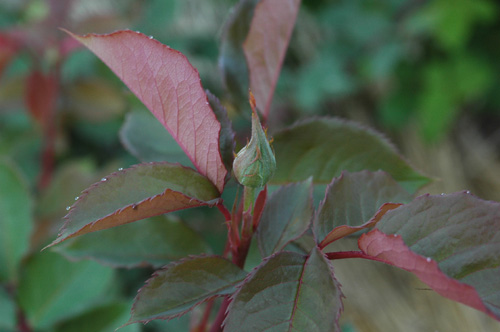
column 155, row 275
column 345, row 230
column 205, row 152
column 146, row 204
column 268, row 12
column 392, row 250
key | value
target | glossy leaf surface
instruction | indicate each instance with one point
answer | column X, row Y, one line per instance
column 325, row 147
column 287, row 292
column 170, row 87
column 136, row 193
column 53, row 289
column 154, row 241
column 180, row 286
column 15, row 220
column 450, row 242
column 286, row 216
column 266, row 45
column 353, row 199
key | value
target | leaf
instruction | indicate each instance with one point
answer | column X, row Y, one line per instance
column 170, row 87
column 136, row 193
column 287, row 292
column 145, row 138
column 101, row 319
column 231, row 58
column 7, row 312
column 155, row 241
column 16, row 220
column 286, row 216
column 353, row 199
column 227, row 142
column 8, row 48
column 52, row 288
column 180, row 286
column 450, row 242
column 266, row 45
column 325, row 147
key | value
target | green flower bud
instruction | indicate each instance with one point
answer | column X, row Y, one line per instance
column 255, row 164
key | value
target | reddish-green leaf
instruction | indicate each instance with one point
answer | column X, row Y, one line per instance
column 353, row 199
column 286, row 216
column 16, row 220
column 180, row 286
column 136, row 193
column 265, row 46
column 287, row 292
column 154, row 241
column 325, row 147
column 450, row 242
column 170, row 87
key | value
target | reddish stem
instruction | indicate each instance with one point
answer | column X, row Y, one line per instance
column 351, row 254
column 221, row 315
column 206, row 315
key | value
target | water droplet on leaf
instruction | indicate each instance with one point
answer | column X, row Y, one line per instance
column 428, row 259
column 103, row 179
column 67, row 208
column 120, row 169
column 76, row 198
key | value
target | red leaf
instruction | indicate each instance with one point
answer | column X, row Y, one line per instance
column 266, row 45
column 41, row 96
column 392, row 250
column 7, row 50
column 170, row 87
column 344, row 230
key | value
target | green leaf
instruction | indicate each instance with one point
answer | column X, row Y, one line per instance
column 16, row 220
column 136, row 193
column 325, row 147
column 101, row 319
column 459, row 232
column 354, row 198
column 7, row 312
column 286, row 216
column 231, row 58
column 52, row 289
column 180, row 286
column 226, row 136
column 146, row 138
column 155, row 241
column 287, row 292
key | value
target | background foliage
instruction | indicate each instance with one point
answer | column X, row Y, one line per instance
column 425, row 72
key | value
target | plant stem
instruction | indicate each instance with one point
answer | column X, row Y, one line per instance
column 221, row 315
column 248, row 198
column 206, row 315
column 352, row 254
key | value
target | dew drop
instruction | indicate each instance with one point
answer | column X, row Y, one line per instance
column 120, row 169
column 103, row 179
column 428, row 259
column 467, row 192
column 150, row 37
column 395, row 235
column 76, row 198
column 134, row 206
column 67, row 208
column 442, row 194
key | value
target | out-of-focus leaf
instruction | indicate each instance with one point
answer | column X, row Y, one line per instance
column 286, row 216
column 170, row 87
column 147, row 139
column 325, row 147
column 180, row 286
column 155, row 241
column 101, row 319
column 266, row 45
column 232, row 58
column 352, row 199
column 7, row 312
column 41, row 96
column 136, row 193
column 226, row 138
column 96, row 100
column 52, row 289
column 8, row 49
column 450, row 242
column 284, row 293
column 16, row 220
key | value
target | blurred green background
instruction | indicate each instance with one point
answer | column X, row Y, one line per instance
column 426, row 73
